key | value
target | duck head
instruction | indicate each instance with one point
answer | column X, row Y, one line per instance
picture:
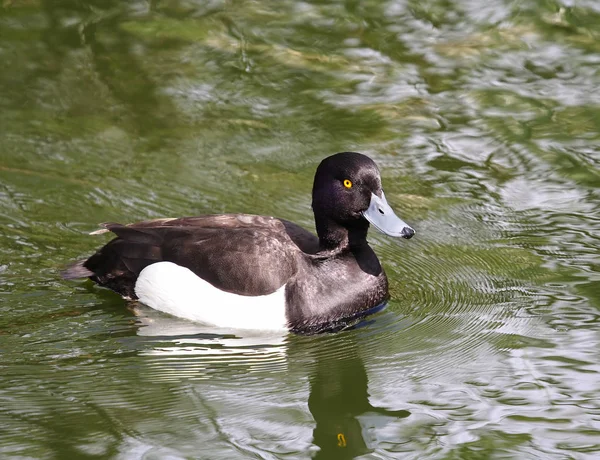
column 347, row 196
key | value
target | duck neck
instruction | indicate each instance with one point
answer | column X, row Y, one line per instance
column 333, row 235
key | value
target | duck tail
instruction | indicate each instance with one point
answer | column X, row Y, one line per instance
column 117, row 264
column 76, row 270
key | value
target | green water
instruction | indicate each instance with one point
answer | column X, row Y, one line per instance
column 485, row 120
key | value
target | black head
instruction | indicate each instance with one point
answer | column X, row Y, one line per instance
column 343, row 186
column 347, row 195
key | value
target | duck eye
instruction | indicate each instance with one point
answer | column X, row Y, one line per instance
column 347, row 183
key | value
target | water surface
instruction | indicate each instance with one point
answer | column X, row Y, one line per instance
column 485, row 119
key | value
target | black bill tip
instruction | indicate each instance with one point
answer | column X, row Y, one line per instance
column 407, row 233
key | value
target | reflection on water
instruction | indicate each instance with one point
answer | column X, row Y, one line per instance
column 337, row 400
column 485, row 122
column 186, row 349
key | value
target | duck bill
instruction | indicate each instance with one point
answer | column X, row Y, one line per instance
column 382, row 217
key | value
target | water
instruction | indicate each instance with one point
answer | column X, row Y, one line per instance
column 485, row 119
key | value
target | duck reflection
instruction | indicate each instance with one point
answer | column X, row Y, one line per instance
column 338, row 397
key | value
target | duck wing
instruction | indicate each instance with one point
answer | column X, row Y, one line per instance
column 239, row 253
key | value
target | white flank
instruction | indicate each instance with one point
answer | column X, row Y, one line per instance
column 176, row 290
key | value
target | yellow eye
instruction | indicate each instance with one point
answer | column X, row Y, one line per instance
column 347, row 183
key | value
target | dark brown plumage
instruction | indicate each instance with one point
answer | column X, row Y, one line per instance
column 328, row 279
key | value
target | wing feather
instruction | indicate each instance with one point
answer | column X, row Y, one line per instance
column 245, row 254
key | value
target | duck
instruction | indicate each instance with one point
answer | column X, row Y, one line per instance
column 246, row 271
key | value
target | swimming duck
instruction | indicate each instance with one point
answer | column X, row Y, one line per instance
column 258, row 272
